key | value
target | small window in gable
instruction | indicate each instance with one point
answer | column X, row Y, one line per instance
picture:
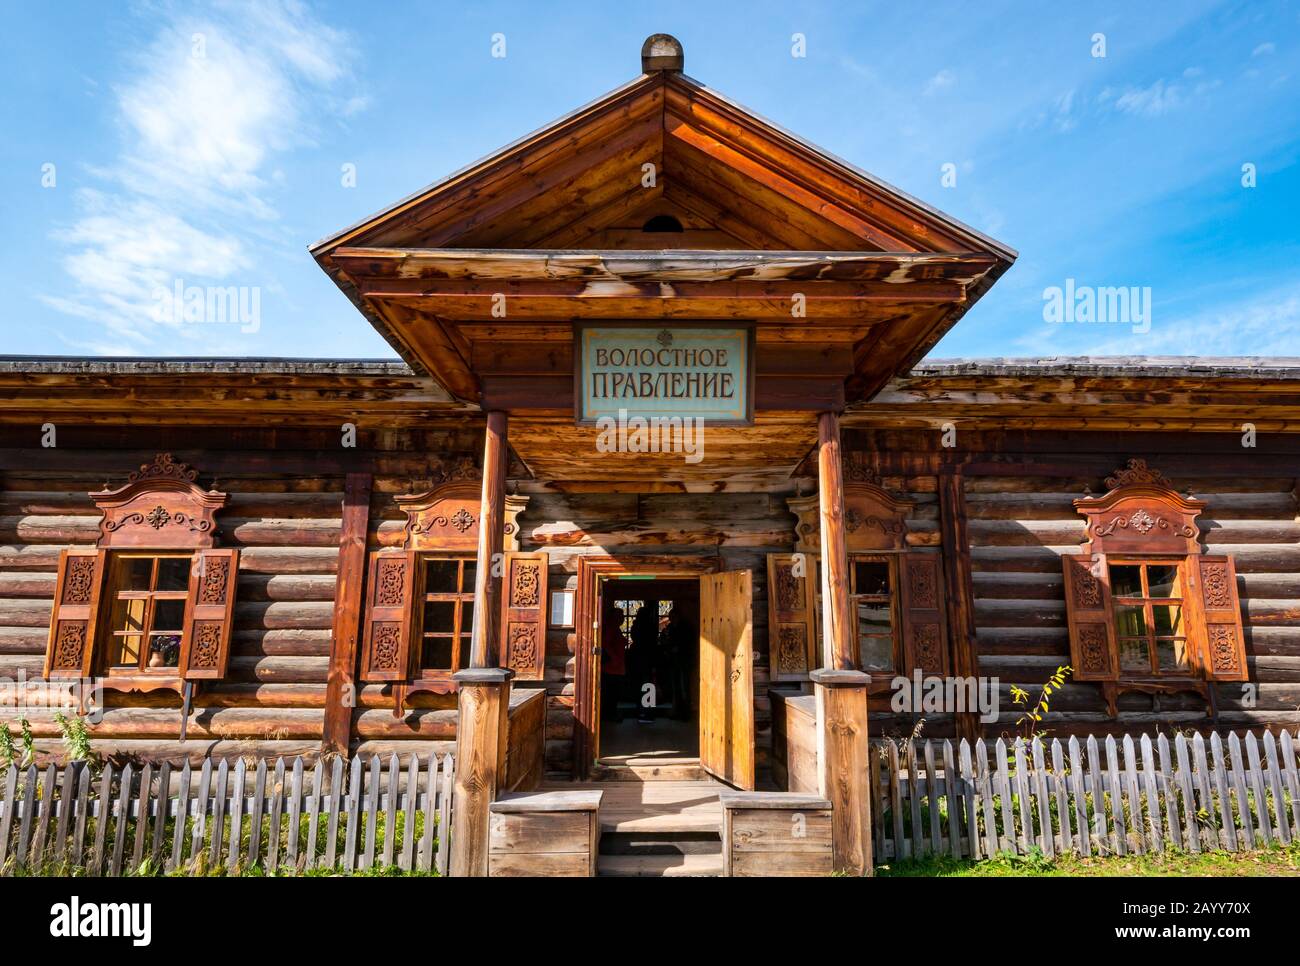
column 151, row 604
column 1147, row 610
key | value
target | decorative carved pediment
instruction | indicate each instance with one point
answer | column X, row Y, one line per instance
column 1141, row 513
column 160, row 507
column 874, row 519
column 447, row 518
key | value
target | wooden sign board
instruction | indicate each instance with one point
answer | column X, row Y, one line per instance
column 678, row 370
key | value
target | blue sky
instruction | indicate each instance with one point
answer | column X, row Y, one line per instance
column 206, row 143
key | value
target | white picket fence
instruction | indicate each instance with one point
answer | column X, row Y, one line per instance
column 1093, row 797
column 277, row 816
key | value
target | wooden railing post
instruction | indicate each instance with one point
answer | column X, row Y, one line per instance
column 841, row 688
column 341, row 684
column 483, row 698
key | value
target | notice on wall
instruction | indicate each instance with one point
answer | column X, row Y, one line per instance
column 703, row 372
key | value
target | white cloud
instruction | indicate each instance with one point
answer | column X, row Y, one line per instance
column 1264, row 49
column 209, row 101
column 944, row 79
column 1151, row 101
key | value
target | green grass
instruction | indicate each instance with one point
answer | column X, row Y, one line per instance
column 1277, row 861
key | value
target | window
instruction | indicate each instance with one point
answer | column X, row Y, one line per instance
column 872, row 587
column 1148, row 609
column 447, row 614
column 147, row 615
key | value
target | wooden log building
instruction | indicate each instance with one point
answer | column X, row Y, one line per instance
column 281, row 556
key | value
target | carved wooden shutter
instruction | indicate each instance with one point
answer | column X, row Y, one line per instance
column 209, row 614
column 791, row 616
column 1087, row 609
column 523, row 615
column 925, row 643
column 386, row 646
column 70, row 651
column 1216, row 617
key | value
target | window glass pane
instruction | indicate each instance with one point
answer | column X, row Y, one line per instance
column 871, row 577
column 440, row 576
column 877, row 653
column 135, row 573
column 1130, row 620
column 438, row 616
column 464, row 650
column 436, row 655
column 164, row 650
column 173, row 573
column 128, row 614
column 466, row 616
column 1162, row 581
column 1168, row 619
column 1172, row 655
column 873, row 618
column 168, row 615
column 126, row 650
column 1126, row 580
column 467, row 581
column 1134, row 656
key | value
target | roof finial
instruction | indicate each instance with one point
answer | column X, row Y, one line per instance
column 662, row 52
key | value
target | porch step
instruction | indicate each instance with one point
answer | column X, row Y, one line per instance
column 645, row 866
column 661, row 843
column 633, row 769
column 656, row 807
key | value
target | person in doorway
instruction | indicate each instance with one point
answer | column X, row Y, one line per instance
column 643, row 658
column 677, row 642
column 613, row 668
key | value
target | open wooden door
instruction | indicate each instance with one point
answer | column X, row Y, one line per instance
column 727, row 677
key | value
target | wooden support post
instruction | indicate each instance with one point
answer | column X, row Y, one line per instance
column 484, row 645
column 341, row 686
column 961, row 594
column 483, row 696
column 841, row 688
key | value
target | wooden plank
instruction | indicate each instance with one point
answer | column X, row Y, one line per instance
column 410, row 806
column 539, row 832
column 984, row 792
column 878, row 803
column 1221, row 781
column 1045, row 837
column 1025, row 836
column 354, row 806
column 1137, row 841
column 26, row 818
column 1292, row 779
column 445, row 797
column 1059, row 777
column 182, row 817
column 952, row 785
column 932, row 797
column 313, row 813
column 1099, row 822
column 915, row 791
column 123, row 819
column 726, row 677
column 780, row 830
column 200, row 816
column 1007, row 840
column 44, row 815
column 901, row 850
column 67, row 796
column 236, row 850
column 785, row 864
column 1119, row 842
column 330, row 857
column 1186, row 791
column 424, row 855
column 145, row 798
column 103, row 817
column 390, row 809
column 1239, row 787
column 256, row 809
column 221, row 786
column 533, row 864
column 295, row 815
column 1204, row 782
column 1079, row 795
column 1275, row 786
column 276, row 815
column 77, row 849
column 1256, row 781
column 372, row 795
column 8, row 811
column 1155, row 837
column 1168, row 788
column 163, row 813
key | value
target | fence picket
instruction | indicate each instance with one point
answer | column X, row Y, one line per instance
column 25, row 820
column 237, row 816
column 424, row 855
column 164, row 810
column 1007, row 840
column 182, row 816
column 1167, row 787
column 932, row 798
column 916, row 842
column 1283, row 825
column 1100, row 825
column 411, row 807
column 1227, row 822
column 200, row 816
column 1079, row 791
column 295, row 811
column 142, row 816
column 1239, row 786
column 8, row 809
column 355, row 792
column 1191, row 831
column 330, row 858
column 123, row 819
column 313, row 812
column 44, row 813
column 277, row 811
column 76, row 850
column 1058, row 777
column 1039, row 785
column 1256, row 774
column 1155, row 830
column 952, row 783
column 896, row 802
column 219, row 815
column 66, row 807
column 372, row 793
column 444, row 813
column 255, row 811
column 390, row 812
column 1292, row 779
column 1137, row 841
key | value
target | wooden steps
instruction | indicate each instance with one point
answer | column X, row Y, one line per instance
column 658, row 828
column 635, row 769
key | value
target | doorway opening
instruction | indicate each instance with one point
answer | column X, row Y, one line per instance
column 649, row 686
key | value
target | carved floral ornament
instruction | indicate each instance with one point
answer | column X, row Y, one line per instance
column 446, row 517
column 874, row 519
column 1141, row 513
column 160, row 506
